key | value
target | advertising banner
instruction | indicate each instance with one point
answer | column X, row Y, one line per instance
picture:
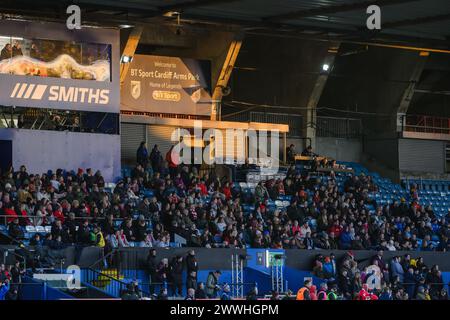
column 45, row 65
column 162, row 84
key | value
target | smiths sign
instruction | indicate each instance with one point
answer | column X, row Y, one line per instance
column 60, row 93
column 161, row 84
column 48, row 66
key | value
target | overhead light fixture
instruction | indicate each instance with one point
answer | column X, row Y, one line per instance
column 325, row 67
column 126, row 59
column 171, row 14
column 11, row 38
column 125, row 26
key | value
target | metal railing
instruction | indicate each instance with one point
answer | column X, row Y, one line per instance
column 294, row 121
column 4, row 217
column 338, row 127
column 426, row 124
column 104, row 282
column 16, row 255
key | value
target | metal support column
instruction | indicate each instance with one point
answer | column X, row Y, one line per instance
column 237, row 276
column 277, row 273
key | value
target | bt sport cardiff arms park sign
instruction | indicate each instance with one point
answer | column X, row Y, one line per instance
column 160, row 84
column 45, row 65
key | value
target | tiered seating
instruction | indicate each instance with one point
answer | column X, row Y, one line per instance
column 434, row 193
column 428, row 185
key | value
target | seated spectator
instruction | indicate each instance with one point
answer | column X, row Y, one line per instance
column 15, row 230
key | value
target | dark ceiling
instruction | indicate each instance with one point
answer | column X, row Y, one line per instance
column 419, row 22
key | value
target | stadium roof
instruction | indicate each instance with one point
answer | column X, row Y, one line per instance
column 425, row 22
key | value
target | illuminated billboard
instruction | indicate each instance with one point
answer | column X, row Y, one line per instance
column 45, row 65
column 161, row 84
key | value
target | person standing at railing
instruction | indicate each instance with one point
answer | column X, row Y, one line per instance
column 176, row 274
column 152, row 267
column 191, row 263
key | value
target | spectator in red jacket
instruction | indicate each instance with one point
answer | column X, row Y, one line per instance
column 313, row 292
column 336, row 229
column 226, row 190
column 364, row 293
column 10, row 212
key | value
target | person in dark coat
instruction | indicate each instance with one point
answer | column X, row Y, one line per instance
column 191, row 281
column 156, row 159
column 16, row 49
column 14, row 230
column 130, row 293
column 434, row 280
column 345, row 285
column 252, row 294
column 200, row 292
column 191, row 263
column 176, row 275
column 152, row 268
column 142, row 155
column 83, row 233
column 162, row 294
column 6, row 52
column 410, row 282
column 379, row 260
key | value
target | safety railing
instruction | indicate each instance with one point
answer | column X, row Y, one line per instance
column 338, row 127
column 293, row 120
column 103, row 281
column 33, row 219
column 426, row 124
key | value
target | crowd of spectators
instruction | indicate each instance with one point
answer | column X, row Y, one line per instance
column 401, row 278
column 10, row 281
column 208, row 211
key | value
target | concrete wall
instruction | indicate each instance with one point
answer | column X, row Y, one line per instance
column 340, row 149
column 41, row 150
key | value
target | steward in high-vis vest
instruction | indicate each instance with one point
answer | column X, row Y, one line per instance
column 303, row 293
column 99, row 240
column 332, row 295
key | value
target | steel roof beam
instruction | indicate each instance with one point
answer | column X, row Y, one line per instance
column 333, row 9
column 416, row 21
column 186, row 5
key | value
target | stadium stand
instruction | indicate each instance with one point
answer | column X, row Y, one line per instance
column 295, row 209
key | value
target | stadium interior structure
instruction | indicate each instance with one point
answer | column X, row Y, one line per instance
column 375, row 101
